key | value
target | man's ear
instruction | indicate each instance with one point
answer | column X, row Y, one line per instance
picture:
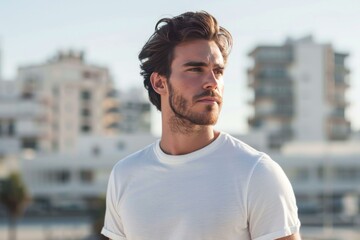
column 158, row 82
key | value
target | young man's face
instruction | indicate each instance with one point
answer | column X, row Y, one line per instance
column 196, row 82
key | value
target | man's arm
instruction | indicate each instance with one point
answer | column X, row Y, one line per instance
column 271, row 203
column 295, row 236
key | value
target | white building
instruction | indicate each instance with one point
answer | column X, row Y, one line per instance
column 21, row 120
column 20, row 126
column 58, row 178
column 299, row 92
column 77, row 98
column 326, row 180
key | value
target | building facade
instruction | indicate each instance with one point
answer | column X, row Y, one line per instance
column 59, row 180
column 135, row 111
column 326, row 179
column 21, row 120
column 77, row 99
column 299, row 92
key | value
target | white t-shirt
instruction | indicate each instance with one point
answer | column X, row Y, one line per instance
column 226, row 190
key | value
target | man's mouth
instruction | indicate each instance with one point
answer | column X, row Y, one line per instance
column 209, row 100
column 208, row 97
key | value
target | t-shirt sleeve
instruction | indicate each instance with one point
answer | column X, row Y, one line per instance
column 113, row 227
column 271, row 204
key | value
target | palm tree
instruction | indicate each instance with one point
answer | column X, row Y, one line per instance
column 14, row 196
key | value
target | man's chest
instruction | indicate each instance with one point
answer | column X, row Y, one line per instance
column 171, row 206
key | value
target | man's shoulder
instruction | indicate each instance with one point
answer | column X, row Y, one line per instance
column 250, row 154
column 240, row 156
column 134, row 160
column 237, row 146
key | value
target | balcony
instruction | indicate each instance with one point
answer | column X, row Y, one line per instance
column 281, row 54
column 338, row 129
column 29, row 129
column 18, row 109
column 9, row 145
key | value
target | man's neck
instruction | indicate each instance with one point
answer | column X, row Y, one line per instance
column 183, row 141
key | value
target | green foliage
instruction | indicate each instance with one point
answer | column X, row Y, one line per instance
column 13, row 194
column 14, row 197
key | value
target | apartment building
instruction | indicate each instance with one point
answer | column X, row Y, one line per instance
column 62, row 180
column 325, row 177
column 299, row 92
column 77, row 99
column 21, row 120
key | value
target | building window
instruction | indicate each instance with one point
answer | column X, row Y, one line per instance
column 90, row 74
column 27, row 95
column 59, row 176
column 85, row 95
column 346, row 173
column 11, row 128
column 96, row 150
column 300, row 174
column 85, row 112
column 29, row 143
column 87, row 74
column 86, row 176
column 7, row 128
column 85, row 128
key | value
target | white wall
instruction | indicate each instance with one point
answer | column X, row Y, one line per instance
column 309, row 79
column 39, row 173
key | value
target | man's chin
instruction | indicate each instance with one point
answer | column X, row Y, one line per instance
column 205, row 121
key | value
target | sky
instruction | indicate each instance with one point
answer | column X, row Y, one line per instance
column 112, row 32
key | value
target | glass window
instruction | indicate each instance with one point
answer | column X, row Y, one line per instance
column 85, row 95
column 11, row 128
column 86, row 176
column 85, row 112
column 85, row 128
column 29, row 143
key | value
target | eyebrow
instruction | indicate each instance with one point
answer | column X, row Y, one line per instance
column 199, row 64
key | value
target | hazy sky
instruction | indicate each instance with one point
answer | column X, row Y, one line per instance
column 112, row 33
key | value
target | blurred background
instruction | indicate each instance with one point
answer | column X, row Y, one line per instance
column 72, row 105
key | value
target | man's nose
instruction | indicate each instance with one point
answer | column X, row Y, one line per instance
column 211, row 81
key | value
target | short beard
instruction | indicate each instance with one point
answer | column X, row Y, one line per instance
column 186, row 121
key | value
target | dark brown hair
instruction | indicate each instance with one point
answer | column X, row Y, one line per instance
column 157, row 53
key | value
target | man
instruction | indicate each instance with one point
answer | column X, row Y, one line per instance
column 195, row 183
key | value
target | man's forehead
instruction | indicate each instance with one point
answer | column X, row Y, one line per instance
column 201, row 51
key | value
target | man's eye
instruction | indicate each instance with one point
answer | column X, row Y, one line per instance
column 195, row 69
column 218, row 71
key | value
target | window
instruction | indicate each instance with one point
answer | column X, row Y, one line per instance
column 29, row 143
column 85, row 128
column 11, row 128
column 86, row 176
column 86, row 74
column 90, row 74
column 85, row 95
column 96, row 150
column 59, row 176
column 27, row 95
column 85, row 112
column 346, row 173
column 274, row 54
column 7, row 127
